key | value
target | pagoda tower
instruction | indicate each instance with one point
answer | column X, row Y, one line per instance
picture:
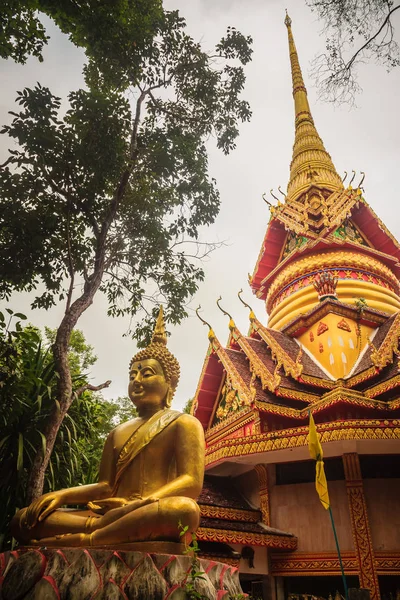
column 328, row 271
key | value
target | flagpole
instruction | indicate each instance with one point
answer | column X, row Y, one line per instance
column 339, row 555
column 321, row 485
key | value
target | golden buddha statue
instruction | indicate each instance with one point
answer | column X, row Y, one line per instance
column 151, row 471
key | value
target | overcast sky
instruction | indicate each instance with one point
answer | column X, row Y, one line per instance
column 364, row 139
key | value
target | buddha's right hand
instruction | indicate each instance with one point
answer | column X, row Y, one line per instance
column 42, row 507
column 101, row 507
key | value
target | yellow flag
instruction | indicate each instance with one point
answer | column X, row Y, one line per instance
column 315, row 448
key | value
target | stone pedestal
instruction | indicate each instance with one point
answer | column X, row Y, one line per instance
column 100, row 574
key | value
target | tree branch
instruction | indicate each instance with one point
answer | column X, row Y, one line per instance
column 92, row 388
column 372, row 38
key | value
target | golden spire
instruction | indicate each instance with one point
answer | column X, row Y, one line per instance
column 311, row 163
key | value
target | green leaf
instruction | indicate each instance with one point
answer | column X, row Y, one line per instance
column 44, row 443
column 20, row 316
column 3, row 441
column 20, row 459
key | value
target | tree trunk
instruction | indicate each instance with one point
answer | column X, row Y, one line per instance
column 64, row 386
column 72, row 314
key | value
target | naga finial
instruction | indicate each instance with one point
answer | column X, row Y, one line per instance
column 352, row 179
column 211, row 334
column 252, row 315
column 344, row 177
column 362, row 179
column 273, row 195
column 231, row 321
column 267, row 201
column 283, row 193
column 325, row 284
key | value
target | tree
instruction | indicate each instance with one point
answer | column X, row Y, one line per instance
column 28, row 385
column 356, row 31
column 115, row 35
column 188, row 406
column 110, row 196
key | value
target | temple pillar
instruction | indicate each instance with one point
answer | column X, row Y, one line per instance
column 360, row 525
column 262, row 474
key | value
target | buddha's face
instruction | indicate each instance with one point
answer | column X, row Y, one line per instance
column 148, row 387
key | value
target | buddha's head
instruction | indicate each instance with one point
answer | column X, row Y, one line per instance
column 154, row 371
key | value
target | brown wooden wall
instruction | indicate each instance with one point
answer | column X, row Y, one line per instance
column 297, row 509
column 382, row 497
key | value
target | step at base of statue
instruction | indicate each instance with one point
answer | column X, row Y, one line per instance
column 110, row 574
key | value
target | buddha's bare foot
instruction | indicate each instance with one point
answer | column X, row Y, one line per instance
column 67, row 539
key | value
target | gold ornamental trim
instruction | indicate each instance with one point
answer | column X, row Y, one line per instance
column 230, row 424
column 263, row 487
column 300, row 563
column 237, row 420
column 318, row 312
column 332, row 397
column 229, row 514
column 317, row 382
column 387, row 563
column 269, row 381
column 242, row 537
column 355, row 429
column 383, row 387
column 360, row 525
column 333, row 259
column 308, row 397
column 236, row 380
column 361, row 377
column 327, row 563
column 390, row 346
column 232, row 562
column 291, row 367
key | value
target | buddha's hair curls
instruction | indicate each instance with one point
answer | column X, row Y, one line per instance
column 157, row 349
column 168, row 362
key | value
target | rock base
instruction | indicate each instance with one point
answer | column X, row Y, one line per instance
column 99, row 574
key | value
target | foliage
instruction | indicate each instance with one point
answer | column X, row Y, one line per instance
column 188, row 406
column 356, row 31
column 21, row 32
column 104, row 188
column 27, row 392
column 195, row 573
column 115, row 35
column 111, row 195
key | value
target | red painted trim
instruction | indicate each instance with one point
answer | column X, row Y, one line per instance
column 53, row 585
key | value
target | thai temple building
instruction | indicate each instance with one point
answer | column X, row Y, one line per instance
column 328, row 271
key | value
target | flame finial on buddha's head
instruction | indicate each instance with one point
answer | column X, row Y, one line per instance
column 157, row 349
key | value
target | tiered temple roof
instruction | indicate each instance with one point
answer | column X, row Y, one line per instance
column 328, row 271
column 228, row 518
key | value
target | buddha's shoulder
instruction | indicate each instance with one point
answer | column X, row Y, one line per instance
column 187, row 420
column 125, row 426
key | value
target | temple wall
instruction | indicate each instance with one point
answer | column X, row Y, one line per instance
column 297, row 509
column 247, row 485
column 382, row 497
column 260, row 560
